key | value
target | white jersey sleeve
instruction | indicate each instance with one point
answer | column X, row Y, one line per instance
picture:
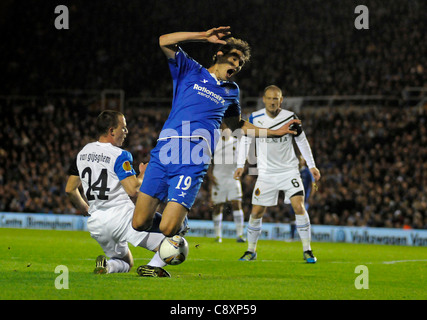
column 225, row 158
column 243, row 151
column 304, row 148
column 277, row 154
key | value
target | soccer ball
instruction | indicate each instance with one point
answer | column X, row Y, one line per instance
column 173, row 250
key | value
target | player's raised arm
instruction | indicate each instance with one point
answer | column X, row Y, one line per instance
column 132, row 184
column 254, row 131
column 168, row 42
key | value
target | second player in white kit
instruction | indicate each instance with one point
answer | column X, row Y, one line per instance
column 278, row 171
column 224, row 188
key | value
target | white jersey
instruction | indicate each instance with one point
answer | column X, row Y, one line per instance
column 275, row 155
column 101, row 167
column 225, row 158
column 227, row 188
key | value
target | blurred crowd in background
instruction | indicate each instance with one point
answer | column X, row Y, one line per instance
column 373, row 160
column 308, row 47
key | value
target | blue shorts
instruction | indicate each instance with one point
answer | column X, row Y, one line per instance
column 168, row 179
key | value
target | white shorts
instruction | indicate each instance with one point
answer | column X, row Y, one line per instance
column 267, row 187
column 226, row 190
column 112, row 229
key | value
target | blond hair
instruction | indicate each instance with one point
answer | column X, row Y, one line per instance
column 273, row 87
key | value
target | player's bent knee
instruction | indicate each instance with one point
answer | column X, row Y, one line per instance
column 141, row 225
column 169, row 230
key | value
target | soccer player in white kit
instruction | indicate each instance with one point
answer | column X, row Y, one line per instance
column 277, row 171
column 224, row 188
column 105, row 171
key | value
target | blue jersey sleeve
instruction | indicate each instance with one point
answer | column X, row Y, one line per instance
column 234, row 107
column 307, row 178
column 182, row 64
column 251, row 118
column 123, row 165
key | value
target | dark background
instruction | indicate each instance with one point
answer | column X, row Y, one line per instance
column 373, row 158
column 307, row 47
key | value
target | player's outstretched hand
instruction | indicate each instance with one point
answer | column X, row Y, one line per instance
column 142, row 167
column 285, row 128
column 238, row 173
column 215, row 35
column 316, row 173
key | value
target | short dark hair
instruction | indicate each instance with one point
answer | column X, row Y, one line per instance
column 238, row 44
column 106, row 120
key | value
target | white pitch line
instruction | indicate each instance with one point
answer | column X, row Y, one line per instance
column 398, row 261
column 382, row 262
column 284, row 261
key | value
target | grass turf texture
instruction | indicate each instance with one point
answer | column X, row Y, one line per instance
column 28, row 259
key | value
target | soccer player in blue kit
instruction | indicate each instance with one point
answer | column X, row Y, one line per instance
column 202, row 98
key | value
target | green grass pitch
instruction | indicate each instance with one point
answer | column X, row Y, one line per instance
column 28, row 259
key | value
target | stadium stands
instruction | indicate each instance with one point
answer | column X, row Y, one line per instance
column 373, row 160
column 309, row 48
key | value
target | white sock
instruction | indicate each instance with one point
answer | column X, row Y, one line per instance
column 156, row 261
column 254, row 231
column 304, row 229
column 217, row 220
column 117, row 266
column 238, row 221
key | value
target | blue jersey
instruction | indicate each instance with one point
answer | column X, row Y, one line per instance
column 307, row 179
column 200, row 101
column 182, row 155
